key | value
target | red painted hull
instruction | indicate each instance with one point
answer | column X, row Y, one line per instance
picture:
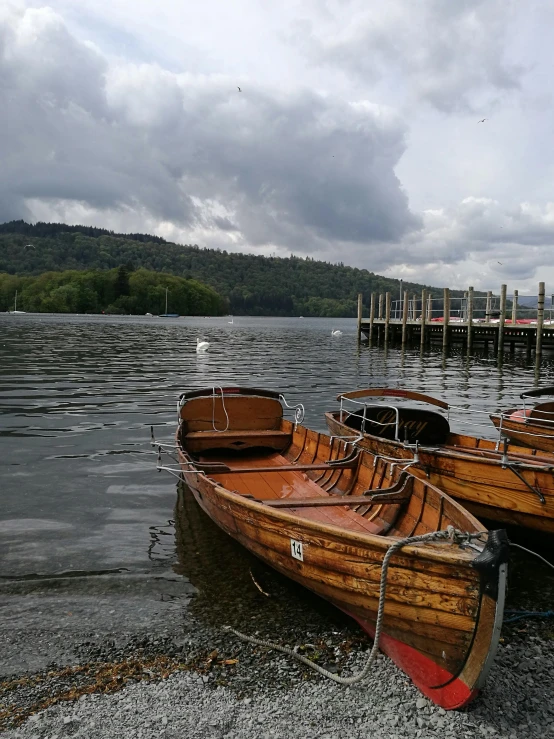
column 436, row 683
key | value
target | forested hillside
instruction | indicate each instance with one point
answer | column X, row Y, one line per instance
column 253, row 285
column 109, row 291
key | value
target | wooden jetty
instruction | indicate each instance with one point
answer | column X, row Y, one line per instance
column 472, row 320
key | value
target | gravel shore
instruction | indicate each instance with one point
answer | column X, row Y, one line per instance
column 205, row 683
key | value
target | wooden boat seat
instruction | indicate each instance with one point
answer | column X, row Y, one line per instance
column 201, row 441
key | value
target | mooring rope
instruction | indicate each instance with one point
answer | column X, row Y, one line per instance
column 456, row 536
column 530, row 551
column 518, row 615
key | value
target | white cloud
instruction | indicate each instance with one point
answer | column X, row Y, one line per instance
column 450, row 54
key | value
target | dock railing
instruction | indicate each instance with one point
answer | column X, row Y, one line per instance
column 485, row 317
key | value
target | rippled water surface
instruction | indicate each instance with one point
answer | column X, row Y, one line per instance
column 78, row 395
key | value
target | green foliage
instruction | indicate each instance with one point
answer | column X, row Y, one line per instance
column 110, row 291
column 252, row 285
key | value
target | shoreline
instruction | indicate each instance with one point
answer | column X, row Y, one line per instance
column 189, row 679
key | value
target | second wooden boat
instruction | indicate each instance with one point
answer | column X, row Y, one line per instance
column 533, row 426
column 325, row 514
column 505, row 483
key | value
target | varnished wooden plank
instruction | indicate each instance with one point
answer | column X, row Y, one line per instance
column 331, row 500
column 349, row 596
column 236, row 412
column 292, row 483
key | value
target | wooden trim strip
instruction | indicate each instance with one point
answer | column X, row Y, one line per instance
column 345, row 500
column 387, row 392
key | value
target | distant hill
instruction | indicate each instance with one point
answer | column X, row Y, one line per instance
column 253, row 285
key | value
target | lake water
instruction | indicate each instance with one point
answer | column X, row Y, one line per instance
column 78, row 394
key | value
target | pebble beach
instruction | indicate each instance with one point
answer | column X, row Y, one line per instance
column 189, row 680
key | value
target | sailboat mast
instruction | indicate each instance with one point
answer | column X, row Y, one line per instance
column 166, row 299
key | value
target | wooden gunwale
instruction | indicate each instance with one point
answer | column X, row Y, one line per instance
column 428, row 553
column 533, row 435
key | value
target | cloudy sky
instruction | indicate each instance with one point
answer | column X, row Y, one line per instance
column 354, row 137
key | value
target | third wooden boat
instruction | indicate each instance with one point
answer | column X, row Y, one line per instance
column 533, row 426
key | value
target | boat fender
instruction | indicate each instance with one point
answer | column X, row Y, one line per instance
column 495, row 554
column 521, row 416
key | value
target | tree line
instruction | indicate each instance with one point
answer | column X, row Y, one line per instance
column 252, row 285
column 120, row 290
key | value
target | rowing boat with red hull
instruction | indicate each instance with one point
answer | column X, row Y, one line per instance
column 324, row 513
column 534, row 426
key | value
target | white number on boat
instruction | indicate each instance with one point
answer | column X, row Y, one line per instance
column 296, row 549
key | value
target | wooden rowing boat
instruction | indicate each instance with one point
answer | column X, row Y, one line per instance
column 534, row 426
column 324, row 513
column 512, row 485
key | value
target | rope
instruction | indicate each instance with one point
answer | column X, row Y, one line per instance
column 214, row 396
column 530, row 551
column 528, row 614
column 457, row 537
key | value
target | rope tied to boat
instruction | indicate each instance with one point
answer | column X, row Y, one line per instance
column 214, row 396
column 456, row 536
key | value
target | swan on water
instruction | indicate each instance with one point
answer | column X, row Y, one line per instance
column 231, row 321
column 202, row 346
column 336, row 332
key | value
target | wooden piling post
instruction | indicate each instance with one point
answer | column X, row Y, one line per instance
column 414, row 307
column 387, row 316
column 488, row 308
column 502, row 320
column 359, row 318
column 469, row 318
column 429, row 308
column 540, row 318
column 380, row 316
column 514, row 308
column 446, row 318
column 423, row 311
column 405, row 317
column 371, row 317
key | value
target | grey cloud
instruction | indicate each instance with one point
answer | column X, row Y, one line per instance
column 451, row 54
column 296, row 171
column 479, row 232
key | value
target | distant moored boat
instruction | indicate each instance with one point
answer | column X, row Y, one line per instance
column 15, row 306
column 166, row 314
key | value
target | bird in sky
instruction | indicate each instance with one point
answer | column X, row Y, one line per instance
column 482, row 120
column 499, row 262
column 238, row 88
